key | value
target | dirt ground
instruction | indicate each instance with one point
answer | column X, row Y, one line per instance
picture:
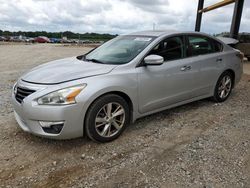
column 201, row 144
column 247, row 68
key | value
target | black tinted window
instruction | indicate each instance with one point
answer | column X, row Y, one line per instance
column 169, row 49
column 217, row 46
column 199, row 45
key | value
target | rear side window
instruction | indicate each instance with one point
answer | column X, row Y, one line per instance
column 170, row 49
column 199, row 45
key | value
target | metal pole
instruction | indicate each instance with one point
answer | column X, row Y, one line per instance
column 235, row 26
column 217, row 5
column 199, row 15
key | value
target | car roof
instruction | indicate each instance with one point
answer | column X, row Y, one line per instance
column 157, row 33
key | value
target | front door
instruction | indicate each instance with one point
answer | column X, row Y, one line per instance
column 169, row 83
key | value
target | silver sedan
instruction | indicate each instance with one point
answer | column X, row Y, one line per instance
column 131, row 76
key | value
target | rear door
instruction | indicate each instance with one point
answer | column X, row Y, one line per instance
column 205, row 56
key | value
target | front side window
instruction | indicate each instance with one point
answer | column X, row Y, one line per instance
column 169, row 49
column 120, row 50
column 199, row 45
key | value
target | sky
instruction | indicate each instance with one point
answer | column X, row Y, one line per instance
column 115, row 16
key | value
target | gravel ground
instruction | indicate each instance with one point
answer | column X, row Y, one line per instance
column 201, row 144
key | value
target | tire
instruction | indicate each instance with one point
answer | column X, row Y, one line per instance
column 104, row 116
column 224, row 83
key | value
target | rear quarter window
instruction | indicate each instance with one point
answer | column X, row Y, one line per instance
column 218, row 47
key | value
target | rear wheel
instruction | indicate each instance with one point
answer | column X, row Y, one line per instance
column 223, row 87
column 107, row 118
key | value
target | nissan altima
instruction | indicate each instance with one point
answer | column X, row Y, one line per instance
column 99, row 93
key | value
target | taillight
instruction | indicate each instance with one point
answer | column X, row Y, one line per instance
column 240, row 55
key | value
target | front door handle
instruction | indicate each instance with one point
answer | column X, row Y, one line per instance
column 219, row 60
column 185, row 68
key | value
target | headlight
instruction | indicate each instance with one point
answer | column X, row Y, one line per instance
column 61, row 97
column 15, row 88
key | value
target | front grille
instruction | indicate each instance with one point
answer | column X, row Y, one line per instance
column 21, row 93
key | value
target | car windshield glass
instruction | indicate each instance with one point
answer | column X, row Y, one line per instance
column 120, row 50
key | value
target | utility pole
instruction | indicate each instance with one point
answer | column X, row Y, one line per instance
column 199, row 15
column 238, row 7
column 235, row 26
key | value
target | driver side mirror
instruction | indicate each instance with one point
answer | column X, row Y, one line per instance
column 153, row 60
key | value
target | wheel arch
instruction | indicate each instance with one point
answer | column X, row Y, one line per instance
column 231, row 71
column 127, row 99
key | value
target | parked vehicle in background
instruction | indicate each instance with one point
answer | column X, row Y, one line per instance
column 244, row 44
column 17, row 38
column 42, row 39
column 65, row 41
column 2, row 38
column 74, row 40
column 55, row 40
column 29, row 39
column 128, row 77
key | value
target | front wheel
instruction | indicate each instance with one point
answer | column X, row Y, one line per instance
column 107, row 118
column 223, row 87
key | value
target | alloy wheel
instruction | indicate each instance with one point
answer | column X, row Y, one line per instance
column 110, row 119
column 225, row 87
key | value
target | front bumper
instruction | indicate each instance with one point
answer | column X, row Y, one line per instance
column 28, row 115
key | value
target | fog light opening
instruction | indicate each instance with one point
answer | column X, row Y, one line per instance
column 52, row 127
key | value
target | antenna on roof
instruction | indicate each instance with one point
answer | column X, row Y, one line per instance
column 154, row 26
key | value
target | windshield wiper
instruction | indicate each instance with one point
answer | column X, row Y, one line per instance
column 95, row 61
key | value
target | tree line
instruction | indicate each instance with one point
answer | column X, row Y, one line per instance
column 68, row 34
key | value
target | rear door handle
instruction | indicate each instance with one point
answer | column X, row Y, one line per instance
column 219, row 60
column 185, row 68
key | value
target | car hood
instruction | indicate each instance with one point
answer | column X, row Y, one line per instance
column 64, row 70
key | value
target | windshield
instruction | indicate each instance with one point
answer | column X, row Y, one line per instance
column 120, row 50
